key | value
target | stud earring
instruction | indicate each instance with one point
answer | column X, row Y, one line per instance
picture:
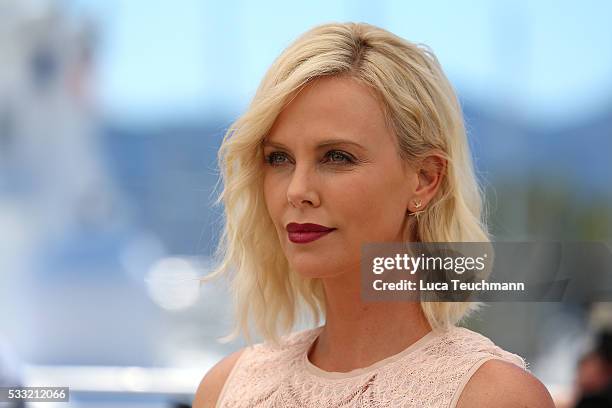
column 417, row 204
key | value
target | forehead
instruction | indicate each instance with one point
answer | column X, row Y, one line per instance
column 332, row 107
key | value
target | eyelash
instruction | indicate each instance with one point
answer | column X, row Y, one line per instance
column 347, row 158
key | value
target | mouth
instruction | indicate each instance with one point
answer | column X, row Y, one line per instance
column 304, row 233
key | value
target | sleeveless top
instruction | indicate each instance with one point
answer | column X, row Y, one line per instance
column 432, row 372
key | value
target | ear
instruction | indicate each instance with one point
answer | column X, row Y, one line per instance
column 429, row 171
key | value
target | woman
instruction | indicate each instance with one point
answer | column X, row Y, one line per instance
column 354, row 136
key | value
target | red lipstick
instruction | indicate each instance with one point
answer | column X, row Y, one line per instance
column 304, row 233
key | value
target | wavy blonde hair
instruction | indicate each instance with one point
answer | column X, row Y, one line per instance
column 422, row 109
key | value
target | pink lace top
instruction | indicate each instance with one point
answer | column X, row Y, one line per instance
column 431, row 372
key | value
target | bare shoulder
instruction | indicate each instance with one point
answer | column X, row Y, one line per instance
column 211, row 385
column 501, row 384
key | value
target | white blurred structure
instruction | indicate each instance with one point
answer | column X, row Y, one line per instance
column 48, row 149
column 53, row 181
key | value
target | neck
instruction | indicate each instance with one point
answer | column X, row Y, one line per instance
column 357, row 334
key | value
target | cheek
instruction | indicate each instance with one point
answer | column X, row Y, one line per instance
column 371, row 208
column 274, row 196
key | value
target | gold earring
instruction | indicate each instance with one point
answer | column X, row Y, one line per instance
column 417, row 204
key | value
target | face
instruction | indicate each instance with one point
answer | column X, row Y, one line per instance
column 330, row 160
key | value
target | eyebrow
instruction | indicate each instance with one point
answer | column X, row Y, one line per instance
column 325, row 143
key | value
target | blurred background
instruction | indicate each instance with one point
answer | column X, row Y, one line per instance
column 111, row 114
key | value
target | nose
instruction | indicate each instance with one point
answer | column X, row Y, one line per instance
column 301, row 191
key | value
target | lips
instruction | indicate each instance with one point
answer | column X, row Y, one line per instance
column 304, row 233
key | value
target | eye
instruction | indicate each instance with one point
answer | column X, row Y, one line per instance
column 339, row 157
column 276, row 159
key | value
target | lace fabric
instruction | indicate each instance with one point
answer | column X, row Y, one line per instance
column 431, row 372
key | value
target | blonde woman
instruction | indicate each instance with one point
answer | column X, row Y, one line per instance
column 354, row 135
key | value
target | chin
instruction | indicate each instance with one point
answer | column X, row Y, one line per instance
column 313, row 273
column 314, row 268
